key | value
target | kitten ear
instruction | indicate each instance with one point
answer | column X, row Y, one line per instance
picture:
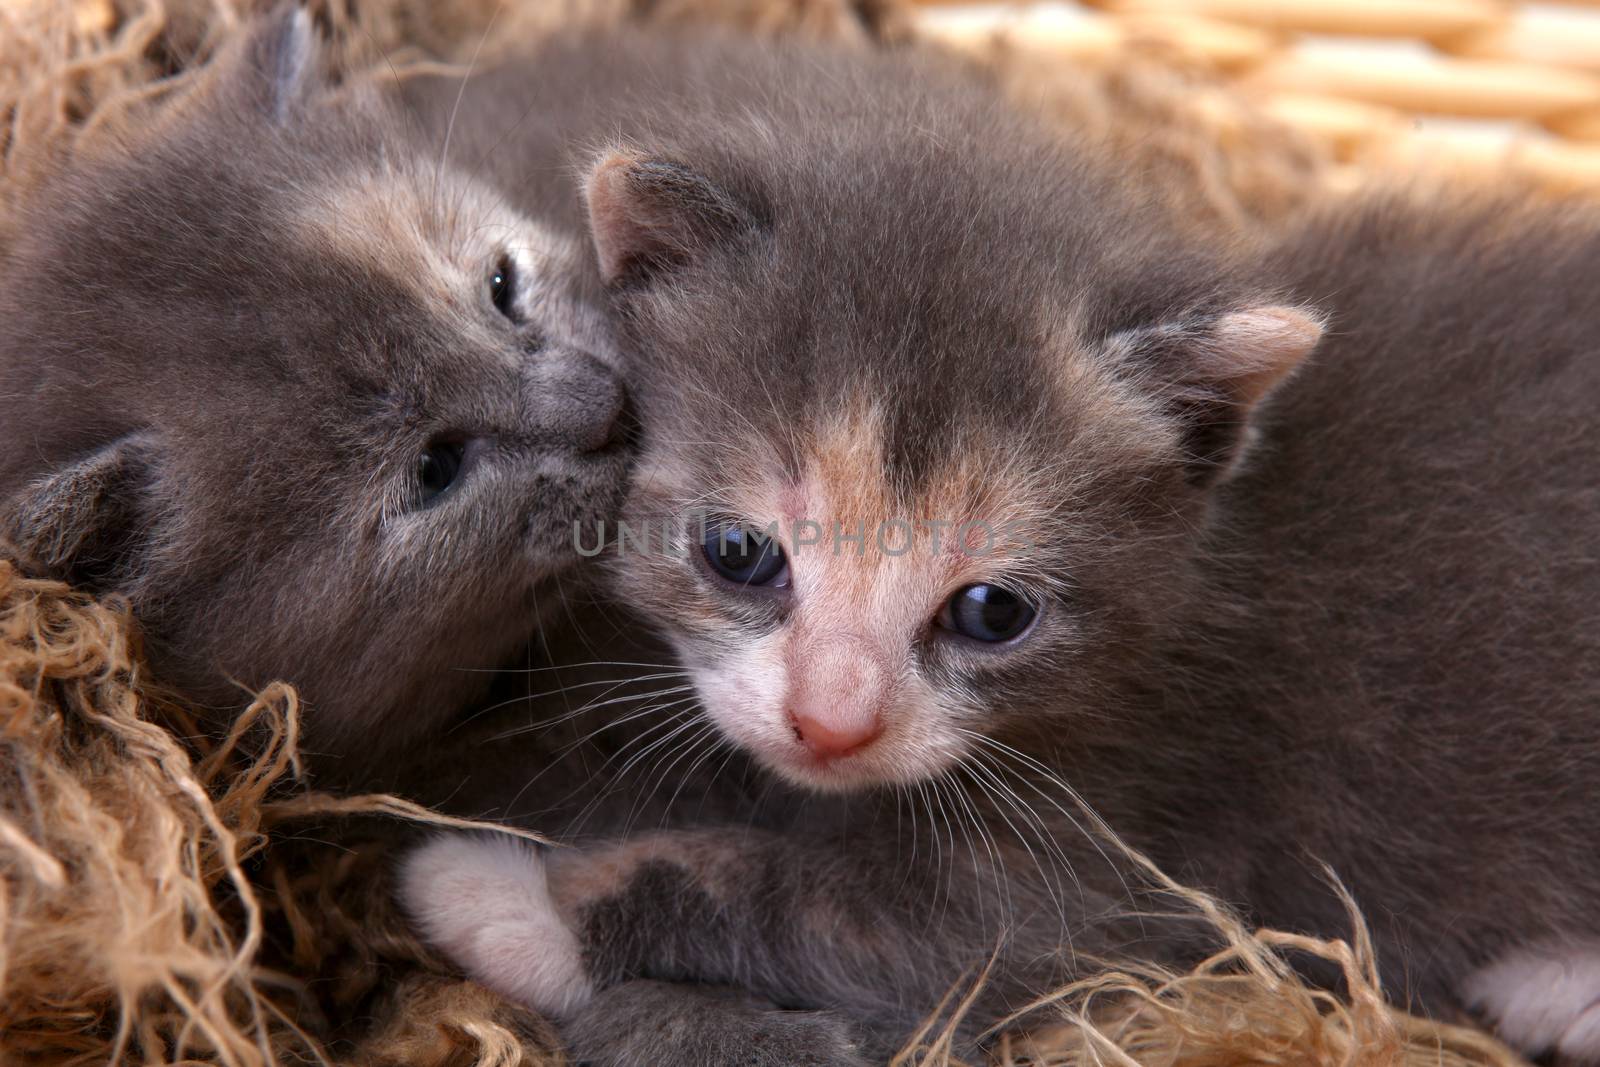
column 280, row 63
column 78, row 522
column 1214, row 371
column 648, row 215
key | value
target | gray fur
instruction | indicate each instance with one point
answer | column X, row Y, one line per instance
column 707, row 1026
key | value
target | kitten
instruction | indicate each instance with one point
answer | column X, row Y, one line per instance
column 836, row 116
column 320, row 406
column 1010, row 492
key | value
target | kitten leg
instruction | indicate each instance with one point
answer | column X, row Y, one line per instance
column 642, row 1023
column 804, row 923
column 1543, row 999
column 483, row 900
column 486, row 902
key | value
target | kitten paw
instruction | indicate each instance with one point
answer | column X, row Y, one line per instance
column 484, row 901
column 1544, row 999
column 664, row 1024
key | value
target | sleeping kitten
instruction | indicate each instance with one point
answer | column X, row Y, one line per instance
column 321, row 407
column 1009, row 496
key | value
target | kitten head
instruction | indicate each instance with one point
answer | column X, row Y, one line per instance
column 322, row 408
column 932, row 415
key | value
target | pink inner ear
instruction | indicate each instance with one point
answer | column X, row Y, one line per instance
column 1255, row 349
column 618, row 233
column 647, row 213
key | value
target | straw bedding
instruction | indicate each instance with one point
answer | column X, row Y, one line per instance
column 168, row 897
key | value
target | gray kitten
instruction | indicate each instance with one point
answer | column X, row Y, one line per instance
column 320, row 405
column 980, row 481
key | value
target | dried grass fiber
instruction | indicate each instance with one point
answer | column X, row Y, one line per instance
column 167, row 898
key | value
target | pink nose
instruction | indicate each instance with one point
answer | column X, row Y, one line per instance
column 833, row 740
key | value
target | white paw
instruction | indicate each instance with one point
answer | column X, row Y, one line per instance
column 1544, row 998
column 483, row 901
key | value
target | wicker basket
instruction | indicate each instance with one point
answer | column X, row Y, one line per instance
column 1474, row 86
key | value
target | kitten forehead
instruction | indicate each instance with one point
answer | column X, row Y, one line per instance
column 879, row 534
column 847, row 479
column 447, row 233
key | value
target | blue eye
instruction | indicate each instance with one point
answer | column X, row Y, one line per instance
column 744, row 556
column 988, row 613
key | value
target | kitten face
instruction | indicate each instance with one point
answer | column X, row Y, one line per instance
column 932, row 326
column 853, row 668
column 343, row 405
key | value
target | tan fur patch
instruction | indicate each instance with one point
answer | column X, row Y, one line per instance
column 578, row 878
column 448, row 235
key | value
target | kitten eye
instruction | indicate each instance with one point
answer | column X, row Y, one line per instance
column 503, row 288
column 745, row 556
column 437, row 470
column 988, row 613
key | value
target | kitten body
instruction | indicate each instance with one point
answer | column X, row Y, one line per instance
column 320, row 406
column 1282, row 602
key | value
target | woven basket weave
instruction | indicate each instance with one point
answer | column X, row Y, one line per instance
column 1468, row 86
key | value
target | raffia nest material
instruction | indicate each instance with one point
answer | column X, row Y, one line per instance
column 166, row 897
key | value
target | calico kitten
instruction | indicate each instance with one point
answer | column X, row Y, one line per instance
column 853, row 130
column 321, row 406
column 1273, row 557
